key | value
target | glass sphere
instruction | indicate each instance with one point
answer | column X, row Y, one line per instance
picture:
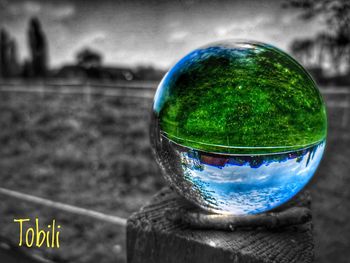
column 238, row 127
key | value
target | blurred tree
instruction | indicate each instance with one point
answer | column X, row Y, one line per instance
column 9, row 66
column 88, row 58
column 302, row 48
column 27, row 69
column 13, row 58
column 3, row 52
column 334, row 42
column 38, row 48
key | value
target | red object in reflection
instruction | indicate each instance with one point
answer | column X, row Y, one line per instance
column 212, row 160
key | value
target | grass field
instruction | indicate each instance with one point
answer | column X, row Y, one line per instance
column 94, row 152
column 90, row 153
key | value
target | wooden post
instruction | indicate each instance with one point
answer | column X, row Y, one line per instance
column 153, row 238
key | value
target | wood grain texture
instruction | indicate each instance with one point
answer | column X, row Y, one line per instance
column 153, row 238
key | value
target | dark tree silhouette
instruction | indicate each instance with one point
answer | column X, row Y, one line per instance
column 88, row 58
column 333, row 44
column 13, row 59
column 4, row 53
column 9, row 66
column 90, row 62
column 38, row 48
column 26, row 69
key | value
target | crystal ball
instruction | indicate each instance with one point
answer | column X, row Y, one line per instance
column 238, row 127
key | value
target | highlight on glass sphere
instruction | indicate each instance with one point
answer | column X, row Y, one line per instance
column 238, row 127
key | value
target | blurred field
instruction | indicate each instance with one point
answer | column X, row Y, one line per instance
column 93, row 152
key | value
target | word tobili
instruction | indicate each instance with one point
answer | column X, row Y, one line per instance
column 37, row 236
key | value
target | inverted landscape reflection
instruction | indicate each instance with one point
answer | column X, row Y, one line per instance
column 241, row 184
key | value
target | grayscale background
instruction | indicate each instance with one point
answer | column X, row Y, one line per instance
column 77, row 80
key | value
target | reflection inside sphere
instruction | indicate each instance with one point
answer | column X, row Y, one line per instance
column 238, row 127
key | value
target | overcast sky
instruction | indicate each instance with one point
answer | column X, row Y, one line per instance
column 150, row 32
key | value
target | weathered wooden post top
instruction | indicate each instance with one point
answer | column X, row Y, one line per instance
column 155, row 235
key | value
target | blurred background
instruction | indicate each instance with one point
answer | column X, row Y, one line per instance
column 77, row 80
